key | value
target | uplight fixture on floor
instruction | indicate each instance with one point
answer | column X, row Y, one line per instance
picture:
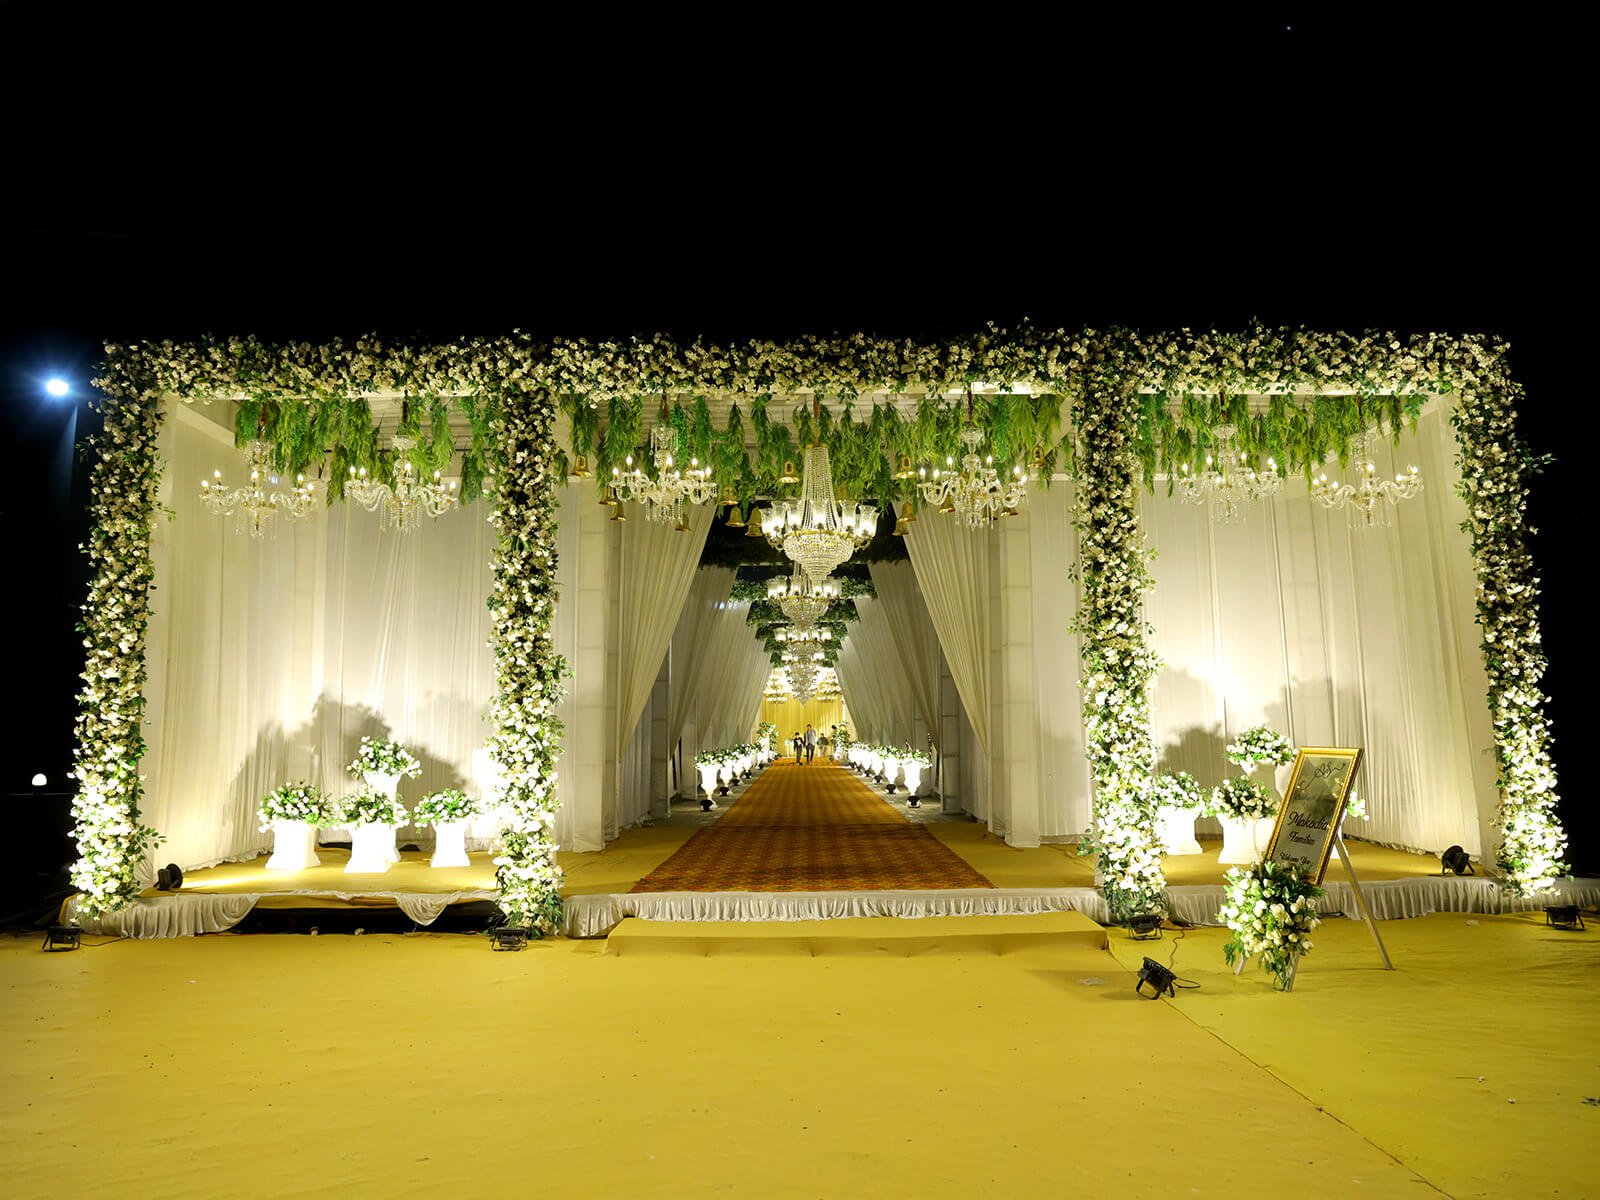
column 1563, row 916
column 169, row 878
column 509, row 937
column 1456, row 859
column 1144, row 926
column 1161, row 981
column 61, row 937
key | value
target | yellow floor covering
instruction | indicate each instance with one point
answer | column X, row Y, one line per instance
column 425, row 1064
column 856, row 935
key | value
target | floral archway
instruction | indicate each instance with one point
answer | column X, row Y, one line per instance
column 1113, row 408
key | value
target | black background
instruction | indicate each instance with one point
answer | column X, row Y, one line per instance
column 270, row 171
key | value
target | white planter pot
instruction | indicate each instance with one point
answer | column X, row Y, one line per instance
column 387, row 785
column 708, row 779
column 1244, row 839
column 450, row 845
column 1175, row 828
column 294, row 846
column 371, row 850
column 912, row 771
column 1280, row 779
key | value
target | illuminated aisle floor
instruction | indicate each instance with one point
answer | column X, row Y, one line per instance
column 397, row 1065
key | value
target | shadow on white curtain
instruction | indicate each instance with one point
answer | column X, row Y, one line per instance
column 1335, row 635
column 916, row 644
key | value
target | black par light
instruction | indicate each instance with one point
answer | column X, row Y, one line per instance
column 1563, row 916
column 1456, row 859
column 61, row 937
column 509, row 937
column 1161, row 981
column 1144, row 926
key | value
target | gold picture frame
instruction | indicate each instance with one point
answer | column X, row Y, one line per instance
column 1312, row 808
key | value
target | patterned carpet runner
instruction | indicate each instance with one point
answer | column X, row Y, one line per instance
column 813, row 828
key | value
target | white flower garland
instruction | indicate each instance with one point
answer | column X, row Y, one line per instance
column 1117, row 663
column 110, row 738
column 1271, row 910
column 1494, row 465
column 527, row 734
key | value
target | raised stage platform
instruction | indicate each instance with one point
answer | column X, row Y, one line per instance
column 1047, row 879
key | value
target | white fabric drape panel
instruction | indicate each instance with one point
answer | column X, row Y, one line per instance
column 230, row 689
column 727, row 692
column 952, row 569
column 270, row 658
column 914, row 638
column 692, row 658
column 877, row 688
column 656, row 568
column 1335, row 635
column 405, row 652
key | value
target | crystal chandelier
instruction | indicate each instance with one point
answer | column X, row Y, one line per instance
column 802, row 679
column 816, row 530
column 1228, row 482
column 976, row 495
column 1371, row 497
column 795, row 635
column 410, row 498
column 804, row 600
column 666, row 495
column 255, row 503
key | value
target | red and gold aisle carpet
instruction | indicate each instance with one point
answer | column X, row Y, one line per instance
column 813, row 828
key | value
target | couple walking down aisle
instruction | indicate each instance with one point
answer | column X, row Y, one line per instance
column 805, row 745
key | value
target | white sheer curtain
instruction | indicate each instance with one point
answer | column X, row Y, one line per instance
column 270, row 658
column 655, row 569
column 952, row 569
column 692, row 657
column 727, row 690
column 914, row 639
column 1335, row 635
column 876, row 686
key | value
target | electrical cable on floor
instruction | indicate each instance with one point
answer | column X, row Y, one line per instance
column 1178, row 981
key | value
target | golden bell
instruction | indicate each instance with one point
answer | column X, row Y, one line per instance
column 619, row 515
column 905, row 517
column 580, row 467
column 735, row 517
column 1009, row 512
column 790, row 473
column 754, row 529
column 905, row 470
column 949, row 506
column 727, row 496
column 606, row 498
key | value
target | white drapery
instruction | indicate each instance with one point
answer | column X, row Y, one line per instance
column 692, row 655
column 270, row 658
column 876, row 686
column 1334, row 635
column 656, row 568
column 915, row 641
column 952, row 569
column 728, row 683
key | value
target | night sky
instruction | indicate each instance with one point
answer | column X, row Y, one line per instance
column 278, row 175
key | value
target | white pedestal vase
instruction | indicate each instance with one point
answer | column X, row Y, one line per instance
column 1175, row 828
column 912, row 773
column 450, row 845
column 1244, row 839
column 708, row 783
column 294, row 846
column 1280, row 779
column 384, row 785
column 371, row 848
column 891, row 771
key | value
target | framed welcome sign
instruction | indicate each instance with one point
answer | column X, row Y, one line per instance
column 1313, row 806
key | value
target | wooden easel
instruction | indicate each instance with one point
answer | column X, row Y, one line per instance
column 1361, row 904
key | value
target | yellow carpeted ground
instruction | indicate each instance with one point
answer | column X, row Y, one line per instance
column 425, row 1064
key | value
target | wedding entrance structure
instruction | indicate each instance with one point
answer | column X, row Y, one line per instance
column 483, row 594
